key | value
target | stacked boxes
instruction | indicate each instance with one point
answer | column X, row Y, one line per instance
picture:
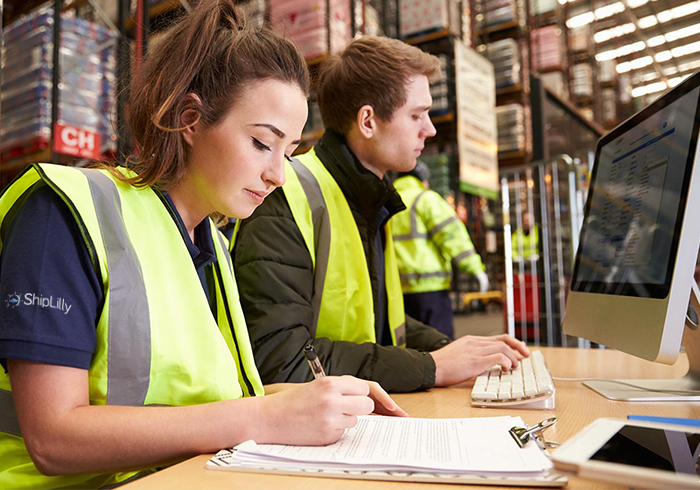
column 540, row 7
column 254, row 11
column 495, row 12
column 609, row 105
column 583, row 80
column 439, row 89
column 546, row 48
column 505, row 56
column 554, row 81
column 439, row 166
column 606, row 71
column 422, row 16
column 510, row 119
column 86, row 91
column 580, row 39
column 304, row 21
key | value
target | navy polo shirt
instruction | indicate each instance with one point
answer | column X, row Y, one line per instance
column 51, row 296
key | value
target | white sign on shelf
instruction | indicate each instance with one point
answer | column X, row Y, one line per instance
column 477, row 135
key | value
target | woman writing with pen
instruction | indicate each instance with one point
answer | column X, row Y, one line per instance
column 152, row 362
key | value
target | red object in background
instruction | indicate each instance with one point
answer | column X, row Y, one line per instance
column 74, row 141
column 530, row 310
column 526, row 306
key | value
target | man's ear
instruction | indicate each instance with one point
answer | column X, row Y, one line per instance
column 189, row 118
column 366, row 121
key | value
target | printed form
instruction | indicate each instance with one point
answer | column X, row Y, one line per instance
column 481, row 445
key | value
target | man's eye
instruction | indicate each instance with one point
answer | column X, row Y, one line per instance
column 260, row 146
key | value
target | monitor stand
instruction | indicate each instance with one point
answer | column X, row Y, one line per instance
column 685, row 389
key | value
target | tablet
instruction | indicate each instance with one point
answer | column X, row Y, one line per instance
column 634, row 454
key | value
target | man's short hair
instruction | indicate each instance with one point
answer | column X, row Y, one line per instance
column 371, row 71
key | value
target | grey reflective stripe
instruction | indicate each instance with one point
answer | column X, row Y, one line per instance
column 413, row 233
column 224, row 248
column 435, row 229
column 8, row 415
column 464, row 255
column 400, row 334
column 423, row 275
column 129, row 342
column 322, row 234
column 409, row 236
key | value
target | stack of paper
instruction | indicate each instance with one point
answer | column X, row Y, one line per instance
column 476, row 446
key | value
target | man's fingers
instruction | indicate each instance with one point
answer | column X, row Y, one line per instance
column 514, row 343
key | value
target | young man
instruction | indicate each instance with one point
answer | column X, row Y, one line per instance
column 316, row 262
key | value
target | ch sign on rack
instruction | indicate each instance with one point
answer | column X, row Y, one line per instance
column 71, row 140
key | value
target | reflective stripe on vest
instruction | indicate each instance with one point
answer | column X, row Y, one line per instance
column 129, row 355
column 342, row 300
column 153, row 299
column 423, row 266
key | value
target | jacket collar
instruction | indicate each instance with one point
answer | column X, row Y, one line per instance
column 363, row 190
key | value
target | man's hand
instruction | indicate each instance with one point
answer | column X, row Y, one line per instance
column 470, row 356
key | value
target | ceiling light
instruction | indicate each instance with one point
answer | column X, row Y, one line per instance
column 580, row 20
column 686, row 50
column 641, row 62
column 613, row 32
column 623, row 67
column 663, row 56
column 683, row 33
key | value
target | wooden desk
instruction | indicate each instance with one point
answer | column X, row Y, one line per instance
column 576, row 406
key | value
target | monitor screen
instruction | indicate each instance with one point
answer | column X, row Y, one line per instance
column 637, row 199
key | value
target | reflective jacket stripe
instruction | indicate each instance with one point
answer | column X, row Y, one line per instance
column 464, row 255
column 424, row 275
column 322, row 234
column 129, row 358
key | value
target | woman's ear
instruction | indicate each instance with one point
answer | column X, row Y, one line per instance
column 366, row 122
column 190, row 117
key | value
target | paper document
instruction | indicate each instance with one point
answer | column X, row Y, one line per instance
column 479, row 445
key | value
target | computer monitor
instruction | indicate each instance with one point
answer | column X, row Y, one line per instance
column 633, row 275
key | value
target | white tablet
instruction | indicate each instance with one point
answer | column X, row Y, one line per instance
column 634, row 454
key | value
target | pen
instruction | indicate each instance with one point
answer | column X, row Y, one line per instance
column 314, row 363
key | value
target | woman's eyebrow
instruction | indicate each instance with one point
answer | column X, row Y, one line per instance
column 275, row 130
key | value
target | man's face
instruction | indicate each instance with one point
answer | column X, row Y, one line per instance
column 399, row 142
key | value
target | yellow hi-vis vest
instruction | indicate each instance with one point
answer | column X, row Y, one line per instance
column 429, row 239
column 525, row 246
column 342, row 299
column 157, row 340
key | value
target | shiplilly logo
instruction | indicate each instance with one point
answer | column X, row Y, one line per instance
column 30, row 299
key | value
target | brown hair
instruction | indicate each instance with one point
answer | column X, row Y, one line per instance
column 371, row 71
column 211, row 52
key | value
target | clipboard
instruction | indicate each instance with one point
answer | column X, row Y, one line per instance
column 222, row 461
column 476, row 451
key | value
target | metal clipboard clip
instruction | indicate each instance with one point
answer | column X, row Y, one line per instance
column 521, row 435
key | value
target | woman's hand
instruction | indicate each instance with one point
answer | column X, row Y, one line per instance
column 383, row 403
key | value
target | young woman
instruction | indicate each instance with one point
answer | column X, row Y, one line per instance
column 122, row 337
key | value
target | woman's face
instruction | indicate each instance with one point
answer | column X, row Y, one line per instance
column 234, row 164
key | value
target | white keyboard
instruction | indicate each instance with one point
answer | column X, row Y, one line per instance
column 529, row 385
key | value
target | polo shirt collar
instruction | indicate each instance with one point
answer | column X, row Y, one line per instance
column 204, row 252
